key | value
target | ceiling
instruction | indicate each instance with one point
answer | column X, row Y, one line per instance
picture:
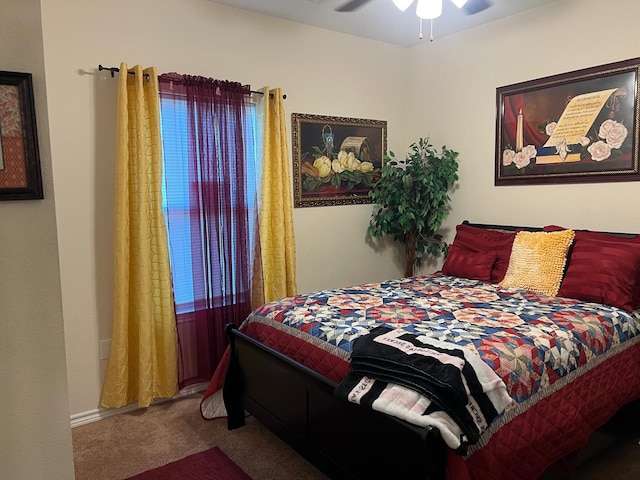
column 380, row 19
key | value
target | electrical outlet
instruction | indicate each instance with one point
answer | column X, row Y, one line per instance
column 105, row 349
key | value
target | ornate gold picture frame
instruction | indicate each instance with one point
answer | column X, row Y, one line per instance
column 336, row 160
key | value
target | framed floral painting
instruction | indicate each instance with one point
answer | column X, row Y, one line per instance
column 20, row 176
column 580, row 126
column 336, row 160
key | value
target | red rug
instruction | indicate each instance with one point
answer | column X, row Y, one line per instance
column 211, row 464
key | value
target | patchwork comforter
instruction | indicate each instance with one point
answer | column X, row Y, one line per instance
column 550, row 352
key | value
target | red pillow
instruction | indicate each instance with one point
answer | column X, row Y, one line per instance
column 466, row 264
column 487, row 242
column 552, row 228
column 604, row 268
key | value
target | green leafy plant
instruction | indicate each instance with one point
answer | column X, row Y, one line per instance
column 412, row 198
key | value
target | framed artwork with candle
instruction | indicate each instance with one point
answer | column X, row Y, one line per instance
column 580, row 126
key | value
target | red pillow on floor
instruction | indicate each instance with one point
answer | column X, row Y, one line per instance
column 487, row 243
column 466, row 264
column 604, row 268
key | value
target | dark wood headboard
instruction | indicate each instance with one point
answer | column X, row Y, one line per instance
column 502, row 227
column 539, row 229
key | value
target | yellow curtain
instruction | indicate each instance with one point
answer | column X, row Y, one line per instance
column 277, row 240
column 143, row 363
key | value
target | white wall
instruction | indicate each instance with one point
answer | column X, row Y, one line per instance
column 321, row 73
column 34, row 404
column 458, row 76
column 445, row 89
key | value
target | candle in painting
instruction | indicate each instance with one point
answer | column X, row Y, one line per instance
column 519, row 134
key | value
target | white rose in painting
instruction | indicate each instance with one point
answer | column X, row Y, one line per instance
column 521, row 160
column 599, row 151
column 613, row 132
column 323, row 164
column 507, row 157
column 366, row 167
column 352, row 162
column 605, row 127
column 584, row 141
column 337, row 166
column 551, row 126
column 530, row 151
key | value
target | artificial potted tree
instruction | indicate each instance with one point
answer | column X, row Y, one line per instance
column 412, row 198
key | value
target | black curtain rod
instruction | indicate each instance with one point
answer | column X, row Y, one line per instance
column 115, row 70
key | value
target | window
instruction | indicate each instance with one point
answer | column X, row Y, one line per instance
column 179, row 196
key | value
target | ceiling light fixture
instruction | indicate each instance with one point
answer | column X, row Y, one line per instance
column 427, row 10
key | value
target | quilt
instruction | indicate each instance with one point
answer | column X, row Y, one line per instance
column 534, row 343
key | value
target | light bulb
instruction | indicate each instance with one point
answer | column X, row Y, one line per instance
column 403, row 4
column 429, row 9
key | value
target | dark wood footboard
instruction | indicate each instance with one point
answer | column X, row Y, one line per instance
column 342, row 440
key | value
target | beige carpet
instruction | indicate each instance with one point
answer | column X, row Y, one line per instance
column 127, row 444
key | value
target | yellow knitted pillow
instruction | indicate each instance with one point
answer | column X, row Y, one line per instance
column 537, row 261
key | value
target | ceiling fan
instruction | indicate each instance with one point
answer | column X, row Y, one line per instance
column 470, row 7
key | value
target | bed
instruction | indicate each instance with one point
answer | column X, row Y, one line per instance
column 553, row 311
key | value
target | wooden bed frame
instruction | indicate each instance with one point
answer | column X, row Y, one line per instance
column 340, row 438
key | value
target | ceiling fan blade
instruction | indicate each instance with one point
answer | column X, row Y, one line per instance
column 352, row 5
column 476, row 6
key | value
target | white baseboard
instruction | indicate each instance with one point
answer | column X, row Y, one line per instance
column 91, row 416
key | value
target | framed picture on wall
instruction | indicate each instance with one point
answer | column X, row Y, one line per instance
column 20, row 177
column 580, row 126
column 336, row 160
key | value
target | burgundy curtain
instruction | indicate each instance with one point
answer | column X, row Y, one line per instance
column 218, row 219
